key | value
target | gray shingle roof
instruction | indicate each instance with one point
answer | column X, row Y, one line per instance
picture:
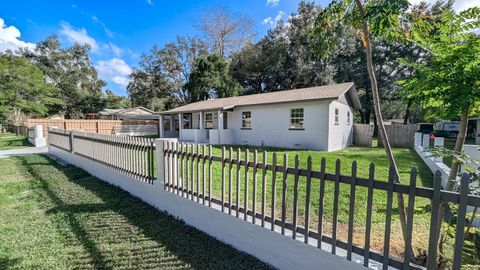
column 333, row 91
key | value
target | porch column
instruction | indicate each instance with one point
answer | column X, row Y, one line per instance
column 201, row 122
column 180, row 125
column 219, row 125
column 201, row 138
column 160, row 126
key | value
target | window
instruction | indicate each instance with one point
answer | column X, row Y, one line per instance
column 208, row 120
column 187, row 121
column 247, row 120
column 348, row 118
column 176, row 123
column 166, row 123
column 296, row 118
column 337, row 113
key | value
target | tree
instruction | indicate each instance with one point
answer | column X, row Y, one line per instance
column 210, row 79
column 71, row 71
column 448, row 85
column 113, row 101
column 225, row 31
column 23, row 90
column 369, row 18
column 284, row 59
column 159, row 81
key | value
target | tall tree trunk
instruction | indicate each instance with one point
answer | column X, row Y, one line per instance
column 378, row 116
column 462, row 134
column 407, row 112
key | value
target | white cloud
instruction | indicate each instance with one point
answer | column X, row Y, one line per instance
column 117, row 51
column 267, row 20
column 458, row 5
column 96, row 20
column 9, row 38
column 79, row 36
column 114, row 70
column 273, row 21
column 272, row 3
column 279, row 16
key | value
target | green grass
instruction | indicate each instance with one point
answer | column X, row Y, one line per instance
column 406, row 160
column 59, row 217
column 11, row 141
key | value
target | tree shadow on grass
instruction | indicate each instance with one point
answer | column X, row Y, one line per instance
column 17, row 142
column 123, row 232
column 6, row 263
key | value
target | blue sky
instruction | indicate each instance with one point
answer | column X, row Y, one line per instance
column 119, row 31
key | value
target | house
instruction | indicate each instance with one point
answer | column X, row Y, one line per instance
column 137, row 113
column 319, row 118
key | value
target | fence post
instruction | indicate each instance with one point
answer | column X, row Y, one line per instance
column 460, row 230
column 159, row 143
column 38, row 139
column 438, row 142
column 418, row 139
column 71, row 142
column 426, row 141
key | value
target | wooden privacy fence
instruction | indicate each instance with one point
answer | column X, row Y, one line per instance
column 242, row 188
column 133, row 156
column 400, row 135
column 89, row 126
column 362, row 135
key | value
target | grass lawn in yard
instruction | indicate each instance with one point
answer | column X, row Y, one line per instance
column 406, row 160
column 59, row 217
column 11, row 141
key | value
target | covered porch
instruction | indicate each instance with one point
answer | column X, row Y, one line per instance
column 210, row 126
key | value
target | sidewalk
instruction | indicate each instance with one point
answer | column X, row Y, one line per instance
column 23, row 151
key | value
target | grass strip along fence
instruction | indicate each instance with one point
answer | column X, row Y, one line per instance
column 131, row 155
column 246, row 192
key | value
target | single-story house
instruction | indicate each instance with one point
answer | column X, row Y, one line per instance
column 137, row 113
column 319, row 118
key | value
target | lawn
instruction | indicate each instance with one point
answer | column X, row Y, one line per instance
column 59, row 217
column 10, row 141
column 406, row 160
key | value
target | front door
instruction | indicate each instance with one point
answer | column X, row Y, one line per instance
column 225, row 120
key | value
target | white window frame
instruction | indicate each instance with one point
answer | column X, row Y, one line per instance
column 348, row 117
column 336, row 116
column 297, row 118
column 207, row 115
column 247, row 121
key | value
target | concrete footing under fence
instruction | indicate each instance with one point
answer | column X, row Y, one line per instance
column 273, row 248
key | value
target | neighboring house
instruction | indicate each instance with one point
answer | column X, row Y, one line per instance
column 137, row 113
column 319, row 118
